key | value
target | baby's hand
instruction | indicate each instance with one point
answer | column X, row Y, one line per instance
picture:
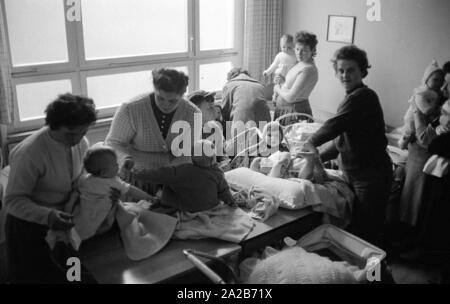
column 278, row 79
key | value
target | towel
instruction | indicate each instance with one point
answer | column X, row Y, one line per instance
column 436, row 166
column 259, row 203
column 221, row 222
column 143, row 232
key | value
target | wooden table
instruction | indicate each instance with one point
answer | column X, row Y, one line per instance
column 105, row 258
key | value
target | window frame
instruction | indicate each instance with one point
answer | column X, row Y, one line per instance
column 77, row 69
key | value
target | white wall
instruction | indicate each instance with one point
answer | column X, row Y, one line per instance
column 400, row 46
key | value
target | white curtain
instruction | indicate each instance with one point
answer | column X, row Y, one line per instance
column 262, row 35
column 6, row 90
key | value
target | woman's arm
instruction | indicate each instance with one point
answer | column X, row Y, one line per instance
column 138, row 194
column 425, row 133
column 121, row 134
column 24, row 176
column 347, row 118
column 301, row 87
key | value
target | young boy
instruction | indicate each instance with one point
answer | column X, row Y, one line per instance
column 191, row 187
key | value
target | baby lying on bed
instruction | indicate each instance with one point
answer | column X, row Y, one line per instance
column 304, row 165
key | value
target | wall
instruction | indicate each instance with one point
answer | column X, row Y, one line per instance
column 400, row 46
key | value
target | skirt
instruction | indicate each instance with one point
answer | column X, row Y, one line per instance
column 298, row 107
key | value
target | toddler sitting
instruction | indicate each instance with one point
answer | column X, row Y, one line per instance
column 303, row 165
column 191, row 187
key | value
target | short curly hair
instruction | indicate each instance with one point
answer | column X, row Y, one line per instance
column 307, row 38
column 70, row 111
column 352, row 52
column 170, row 80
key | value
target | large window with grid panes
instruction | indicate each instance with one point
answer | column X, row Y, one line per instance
column 106, row 49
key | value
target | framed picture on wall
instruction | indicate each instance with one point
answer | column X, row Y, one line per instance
column 341, row 28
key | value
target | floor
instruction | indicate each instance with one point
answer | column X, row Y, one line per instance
column 412, row 273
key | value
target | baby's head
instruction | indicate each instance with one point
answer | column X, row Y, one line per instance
column 287, row 43
column 427, row 101
column 204, row 154
column 101, row 161
column 433, row 77
column 273, row 133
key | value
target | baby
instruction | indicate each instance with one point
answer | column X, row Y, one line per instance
column 191, row 187
column 426, row 99
column 284, row 60
column 277, row 160
column 96, row 213
column 303, row 165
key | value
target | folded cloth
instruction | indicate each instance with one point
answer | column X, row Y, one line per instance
column 436, row 166
column 259, row 203
column 221, row 222
column 143, row 232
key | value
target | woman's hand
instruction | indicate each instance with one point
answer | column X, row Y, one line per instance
column 59, row 220
column 125, row 170
column 114, row 196
column 309, row 147
column 279, row 80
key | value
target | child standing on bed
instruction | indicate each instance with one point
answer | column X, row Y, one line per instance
column 96, row 213
column 426, row 99
column 284, row 60
column 192, row 187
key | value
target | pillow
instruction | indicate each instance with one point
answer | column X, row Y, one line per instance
column 292, row 195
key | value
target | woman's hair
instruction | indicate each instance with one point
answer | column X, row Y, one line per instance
column 288, row 38
column 307, row 38
column 70, row 111
column 92, row 158
column 234, row 72
column 352, row 52
column 169, row 80
column 446, row 67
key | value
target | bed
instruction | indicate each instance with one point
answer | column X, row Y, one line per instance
column 333, row 198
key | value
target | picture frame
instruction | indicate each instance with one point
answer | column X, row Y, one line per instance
column 341, row 29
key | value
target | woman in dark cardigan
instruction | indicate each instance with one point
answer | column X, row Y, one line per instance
column 359, row 140
column 435, row 214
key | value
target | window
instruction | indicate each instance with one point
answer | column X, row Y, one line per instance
column 106, row 49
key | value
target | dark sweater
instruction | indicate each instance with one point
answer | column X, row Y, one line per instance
column 188, row 187
column 359, row 123
column 441, row 145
